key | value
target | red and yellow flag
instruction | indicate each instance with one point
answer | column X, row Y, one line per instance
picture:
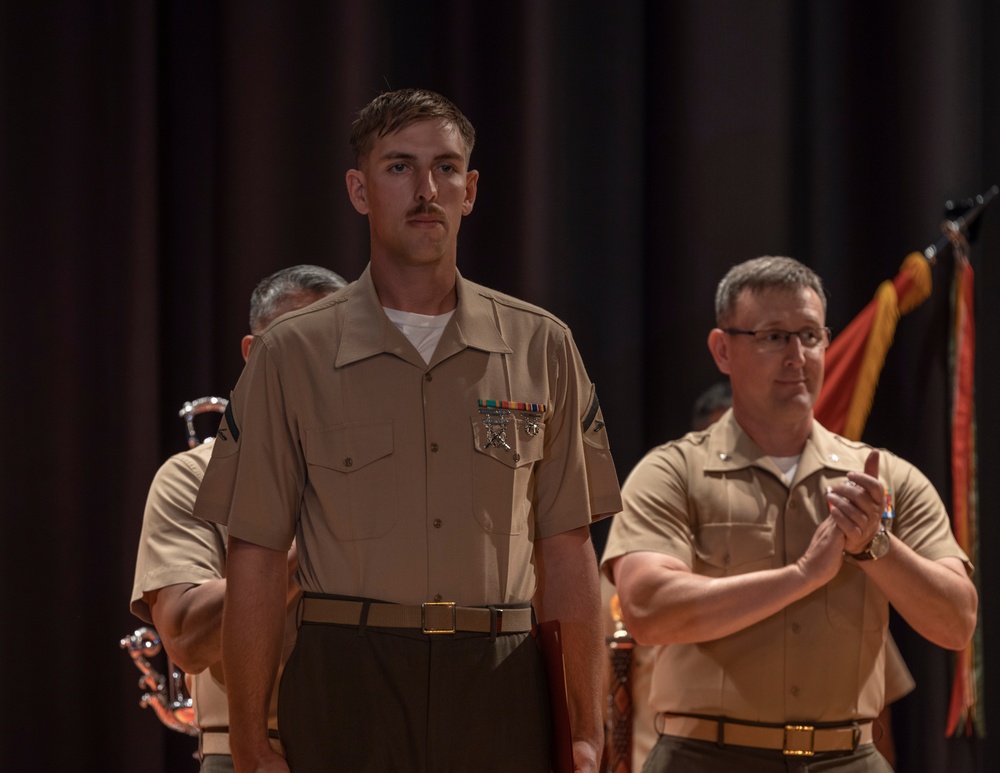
column 855, row 358
column 854, row 362
column 963, row 717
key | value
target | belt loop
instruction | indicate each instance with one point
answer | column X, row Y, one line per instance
column 495, row 622
column 363, row 622
column 720, row 732
column 856, row 736
column 299, row 608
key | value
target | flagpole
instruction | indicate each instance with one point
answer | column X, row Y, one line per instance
column 959, row 226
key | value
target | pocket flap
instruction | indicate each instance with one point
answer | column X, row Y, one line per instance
column 349, row 447
column 733, row 544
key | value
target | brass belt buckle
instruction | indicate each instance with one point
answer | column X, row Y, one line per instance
column 423, row 616
column 793, row 746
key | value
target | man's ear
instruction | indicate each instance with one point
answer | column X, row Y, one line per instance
column 245, row 347
column 471, row 187
column 357, row 190
column 718, row 345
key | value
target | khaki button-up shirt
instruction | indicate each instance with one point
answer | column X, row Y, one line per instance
column 716, row 502
column 408, row 481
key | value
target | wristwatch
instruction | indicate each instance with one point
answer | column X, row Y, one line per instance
column 876, row 549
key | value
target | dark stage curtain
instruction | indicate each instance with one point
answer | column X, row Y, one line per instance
column 158, row 158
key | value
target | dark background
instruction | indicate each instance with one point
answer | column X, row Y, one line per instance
column 158, row 158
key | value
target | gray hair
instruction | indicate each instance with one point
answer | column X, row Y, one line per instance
column 270, row 295
column 761, row 274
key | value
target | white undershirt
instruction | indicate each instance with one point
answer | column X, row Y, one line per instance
column 788, row 465
column 422, row 330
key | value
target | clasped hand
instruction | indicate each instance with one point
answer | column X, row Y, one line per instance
column 857, row 505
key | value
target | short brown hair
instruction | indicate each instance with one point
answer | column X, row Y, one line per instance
column 761, row 274
column 394, row 110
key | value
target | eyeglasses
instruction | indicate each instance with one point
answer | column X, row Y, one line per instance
column 776, row 340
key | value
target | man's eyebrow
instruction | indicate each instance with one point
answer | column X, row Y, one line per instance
column 399, row 155
column 394, row 155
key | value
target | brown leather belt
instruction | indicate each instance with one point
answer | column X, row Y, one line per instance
column 794, row 739
column 430, row 617
column 215, row 740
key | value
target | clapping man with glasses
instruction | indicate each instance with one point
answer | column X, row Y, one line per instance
column 766, row 551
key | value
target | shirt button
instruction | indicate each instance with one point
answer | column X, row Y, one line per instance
column 348, row 462
column 437, row 523
column 796, row 627
column 428, row 377
column 438, row 597
column 794, row 690
column 434, row 447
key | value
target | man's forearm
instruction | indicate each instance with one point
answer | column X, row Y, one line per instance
column 568, row 592
column 685, row 607
column 253, row 622
column 664, row 602
column 936, row 598
column 189, row 621
column 583, row 652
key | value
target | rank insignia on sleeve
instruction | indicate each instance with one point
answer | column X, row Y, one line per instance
column 591, row 419
column 228, row 423
column 595, row 432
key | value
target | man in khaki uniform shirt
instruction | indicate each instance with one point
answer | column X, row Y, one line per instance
column 181, row 563
column 763, row 552
column 708, row 408
column 438, row 452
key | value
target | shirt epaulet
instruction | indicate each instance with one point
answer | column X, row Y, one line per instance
column 856, row 445
column 339, row 296
column 519, row 305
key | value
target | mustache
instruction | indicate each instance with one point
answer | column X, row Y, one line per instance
column 426, row 208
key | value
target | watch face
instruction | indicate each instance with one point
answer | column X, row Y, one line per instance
column 880, row 544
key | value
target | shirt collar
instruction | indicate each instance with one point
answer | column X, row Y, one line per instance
column 730, row 448
column 367, row 330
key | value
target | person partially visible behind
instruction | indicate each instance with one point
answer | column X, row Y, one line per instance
column 181, row 563
column 711, row 404
column 766, row 551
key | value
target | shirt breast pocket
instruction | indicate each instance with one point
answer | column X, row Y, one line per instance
column 735, row 548
column 853, row 602
column 352, row 474
column 505, row 449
